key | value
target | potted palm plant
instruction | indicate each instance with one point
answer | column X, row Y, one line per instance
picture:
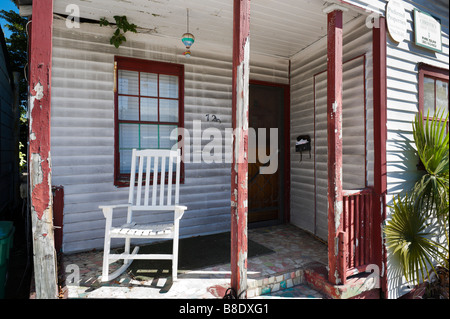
column 417, row 233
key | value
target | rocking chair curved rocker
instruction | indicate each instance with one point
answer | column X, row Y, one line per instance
column 151, row 204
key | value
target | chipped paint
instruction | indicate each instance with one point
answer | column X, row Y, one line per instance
column 38, row 91
column 239, row 171
column 39, row 149
column 336, row 272
column 338, row 210
column 337, row 278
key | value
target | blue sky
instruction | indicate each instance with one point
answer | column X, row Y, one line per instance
column 6, row 5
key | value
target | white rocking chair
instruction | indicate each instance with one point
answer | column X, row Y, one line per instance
column 133, row 230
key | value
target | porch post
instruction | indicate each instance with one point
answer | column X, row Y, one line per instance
column 380, row 137
column 239, row 167
column 336, row 274
column 39, row 149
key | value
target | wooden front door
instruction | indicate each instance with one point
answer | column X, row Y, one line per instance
column 266, row 191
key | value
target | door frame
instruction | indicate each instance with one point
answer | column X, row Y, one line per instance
column 286, row 176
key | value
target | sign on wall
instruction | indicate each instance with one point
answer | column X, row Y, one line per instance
column 427, row 31
column 396, row 20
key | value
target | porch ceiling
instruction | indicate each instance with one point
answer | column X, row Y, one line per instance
column 277, row 27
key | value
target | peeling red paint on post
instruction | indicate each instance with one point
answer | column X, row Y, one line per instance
column 39, row 149
column 239, row 167
column 334, row 118
column 40, row 68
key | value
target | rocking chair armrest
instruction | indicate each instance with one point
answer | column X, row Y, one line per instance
column 179, row 211
column 108, row 209
column 114, row 206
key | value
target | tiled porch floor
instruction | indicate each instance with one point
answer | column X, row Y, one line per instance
column 279, row 274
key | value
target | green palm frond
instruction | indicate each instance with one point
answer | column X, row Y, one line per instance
column 410, row 241
column 432, row 142
column 421, row 218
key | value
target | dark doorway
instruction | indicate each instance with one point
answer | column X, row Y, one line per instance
column 266, row 192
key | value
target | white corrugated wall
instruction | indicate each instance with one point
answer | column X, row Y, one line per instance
column 83, row 126
column 308, row 116
column 402, row 104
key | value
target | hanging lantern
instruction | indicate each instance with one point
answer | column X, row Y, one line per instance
column 188, row 38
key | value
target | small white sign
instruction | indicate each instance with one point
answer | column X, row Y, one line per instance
column 396, row 20
column 427, row 31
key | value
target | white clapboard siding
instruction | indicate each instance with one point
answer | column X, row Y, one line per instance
column 83, row 128
column 402, row 105
column 353, row 141
column 308, row 116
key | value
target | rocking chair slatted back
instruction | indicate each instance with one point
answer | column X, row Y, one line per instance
column 154, row 178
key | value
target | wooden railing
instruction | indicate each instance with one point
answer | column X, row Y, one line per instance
column 355, row 247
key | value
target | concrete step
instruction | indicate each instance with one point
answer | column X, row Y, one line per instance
column 315, row 276
column 302, row 291
column 360, row 286
column 275, row 282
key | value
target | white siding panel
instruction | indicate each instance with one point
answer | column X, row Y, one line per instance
column 308, row 116
column 402, row 105
column 83, row 128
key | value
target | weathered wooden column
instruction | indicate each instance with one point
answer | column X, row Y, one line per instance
column 336, row 272
column 239, row 166
column 380, row 137
column 39, row 149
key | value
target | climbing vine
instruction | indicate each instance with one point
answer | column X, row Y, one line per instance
column 122, row 26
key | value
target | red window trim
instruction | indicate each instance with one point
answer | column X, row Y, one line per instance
column 436, row 73
column 140, row 65
column 432, row 72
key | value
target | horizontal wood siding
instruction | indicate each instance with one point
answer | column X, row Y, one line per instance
column 83, row 128
column 402, row 104
column 308, row 116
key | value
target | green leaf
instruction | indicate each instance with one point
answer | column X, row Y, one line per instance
column 408, row 239
column 122, row 26
column 104, row 22
column 421, row 217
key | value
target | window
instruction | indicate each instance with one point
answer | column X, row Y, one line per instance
column 433, row 90
column 433, row 93
column 148, row 107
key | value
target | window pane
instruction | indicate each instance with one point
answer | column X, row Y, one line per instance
column 149, row 84
column 168, row 86
column 128, row 82
column 149, row 136
column 125, row 161
column 128, row 108
column 442, row 97
column 428, row 98
column 164, row 136
column 149, row 109
column 168, row 110
column 128, row 136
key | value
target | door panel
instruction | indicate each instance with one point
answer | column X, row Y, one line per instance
column 265, row 191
